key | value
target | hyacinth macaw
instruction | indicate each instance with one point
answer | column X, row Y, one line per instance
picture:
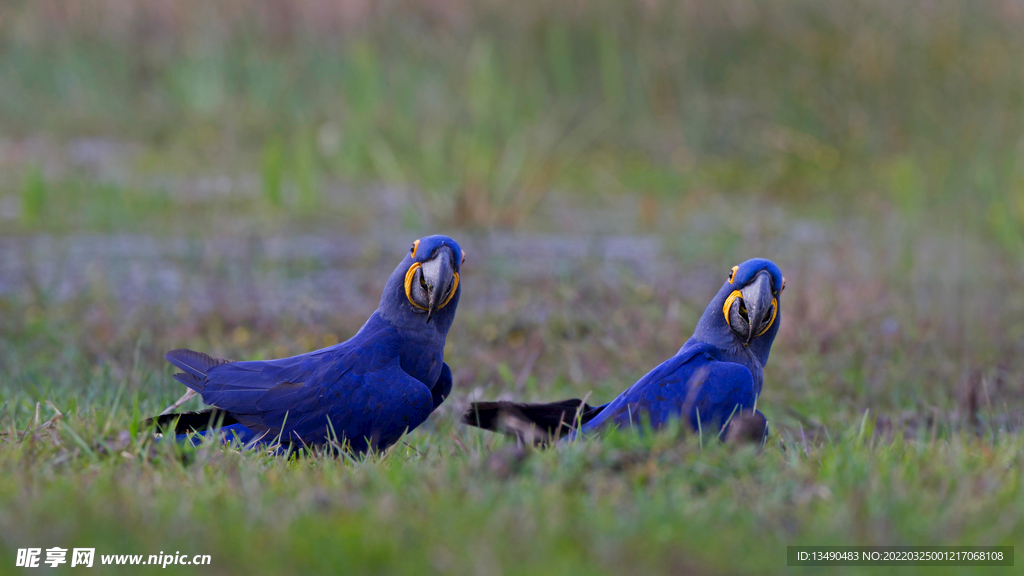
column 714, row 379
column 363, row 393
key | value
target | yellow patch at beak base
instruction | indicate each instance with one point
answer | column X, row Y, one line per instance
column 732, row 298
column 728, row 302
column 775, row 310
column 408, row 280
column 408, row 286
column 455, row 286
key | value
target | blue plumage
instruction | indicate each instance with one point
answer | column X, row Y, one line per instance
column 717, row 374
column 366, row 391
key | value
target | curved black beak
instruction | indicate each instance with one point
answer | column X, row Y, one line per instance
column 757, row 296
column 438, row 275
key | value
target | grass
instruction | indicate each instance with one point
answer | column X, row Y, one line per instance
column 240, row 177
column 451, row 503
column 895, row 421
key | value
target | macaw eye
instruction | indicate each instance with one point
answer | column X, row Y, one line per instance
column 415, row 245
column 732, row 275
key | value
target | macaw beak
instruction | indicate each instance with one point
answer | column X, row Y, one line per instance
column 757, row 295
column 438, row 274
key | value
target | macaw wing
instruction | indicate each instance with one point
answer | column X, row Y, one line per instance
column 374, row 409
column 696, row 385
column 237, row 386
column 726, row 390
column 309, row 404
column 443, row 387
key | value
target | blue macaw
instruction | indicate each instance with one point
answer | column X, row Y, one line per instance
column 364, row 392
column 714, row 379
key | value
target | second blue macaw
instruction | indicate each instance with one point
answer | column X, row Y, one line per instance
column 714, row 379
column 363, row 393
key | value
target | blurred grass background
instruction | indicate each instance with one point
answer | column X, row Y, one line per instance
column 240, row 176
column 485, row 107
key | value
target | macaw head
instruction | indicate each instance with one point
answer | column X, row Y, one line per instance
column 425, row 286
column 746, row 312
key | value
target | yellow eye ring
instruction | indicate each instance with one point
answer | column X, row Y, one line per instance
column 732, row 276
column 415, row 245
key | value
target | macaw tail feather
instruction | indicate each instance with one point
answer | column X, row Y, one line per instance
column 537, row 423
column 195, row 366
column 185, row 422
